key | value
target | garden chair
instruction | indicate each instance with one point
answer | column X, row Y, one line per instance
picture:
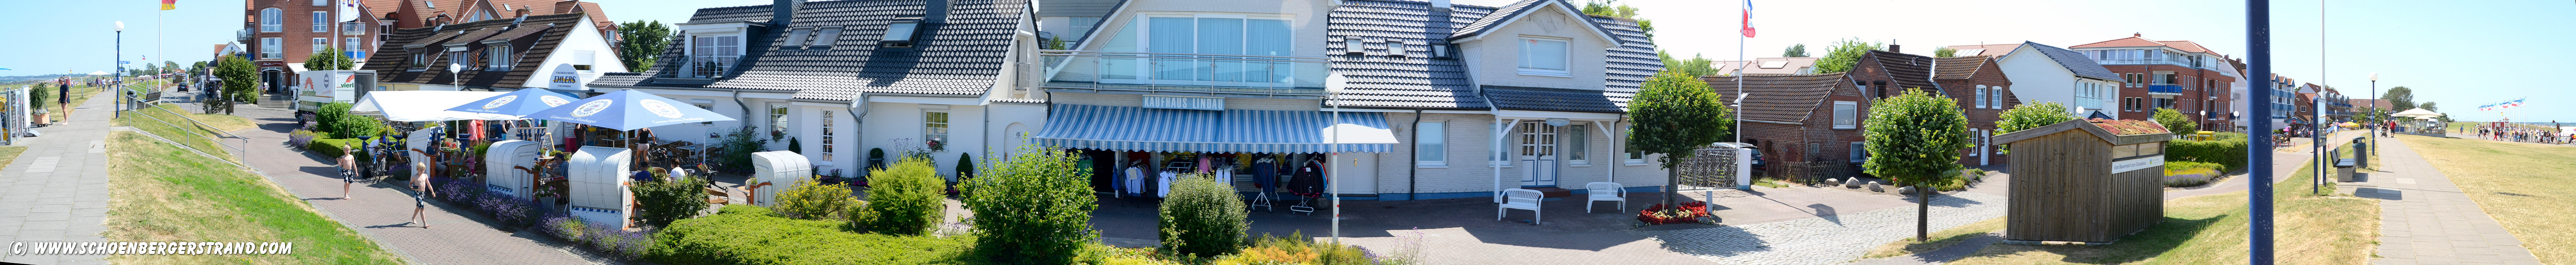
column 1604, row 191
column 1525, row 199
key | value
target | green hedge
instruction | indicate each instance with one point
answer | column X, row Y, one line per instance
column 904, row 199
column 742, row 234
column 330, row 147
column 2228, row 151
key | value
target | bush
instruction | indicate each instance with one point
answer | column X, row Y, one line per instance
column 301, row 138
column 1297, row 249
column 564, row 226
column 1202, row 217
column 329, row 148
column 509, row 210
column 667, row 201
column 815, row 200
column 2188, row 174
column 354, row 126
column 738, row 146
column 1035, row 208
column 905, row 199
column 616, row 241
column 2226, row 151
column 2175, row 122
column 743, row 234
column 328, row 118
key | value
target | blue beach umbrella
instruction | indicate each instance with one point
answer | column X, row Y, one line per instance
column 627, row 110
column 517, row 103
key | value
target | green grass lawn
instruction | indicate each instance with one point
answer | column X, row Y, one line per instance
column 169, row 124
column 2526, row 187
column 2211, row 229
column 166, row 194
column 10, row 153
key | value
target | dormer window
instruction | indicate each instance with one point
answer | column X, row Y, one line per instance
column 900, row 33
column 711, row 56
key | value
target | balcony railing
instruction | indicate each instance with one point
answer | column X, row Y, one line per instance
column 2147, row 61
column 1199, row 74
column 2164, row 88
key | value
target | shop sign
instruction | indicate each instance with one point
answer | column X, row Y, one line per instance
column 565, row 78
column 1196, row 103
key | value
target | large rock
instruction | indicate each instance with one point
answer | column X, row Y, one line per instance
column 1873, row 187
column 1851, row 183
column 1905, row 190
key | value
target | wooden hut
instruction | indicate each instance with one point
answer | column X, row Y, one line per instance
column 2089, row 181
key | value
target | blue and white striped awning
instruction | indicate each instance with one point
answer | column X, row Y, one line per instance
column 1229, row 131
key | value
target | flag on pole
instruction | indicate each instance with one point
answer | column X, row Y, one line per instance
column 169, row 4
column 348, row 10
column 1748, row 18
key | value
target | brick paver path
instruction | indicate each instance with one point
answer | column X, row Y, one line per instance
column 58, row 188
column 2426, row 220
column 381, row 210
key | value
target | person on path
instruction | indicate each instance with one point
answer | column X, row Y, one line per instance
column 348, row 169
column 420, row 205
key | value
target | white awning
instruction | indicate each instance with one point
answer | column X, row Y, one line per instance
column 426, row 105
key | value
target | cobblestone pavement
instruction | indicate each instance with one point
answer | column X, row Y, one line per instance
column 58, row 188
column 1827, row 240
column 2426, row 220
column 382, row 210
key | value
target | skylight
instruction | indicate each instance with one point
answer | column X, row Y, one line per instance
column 901, row 31
column 829, row 35
column 1775, row 64
column 796, row 37
column 1970, row 52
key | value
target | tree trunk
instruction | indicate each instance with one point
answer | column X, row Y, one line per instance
column 1672, row 185
column 1922, row 213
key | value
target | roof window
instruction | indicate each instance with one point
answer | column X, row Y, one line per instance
column 825, row 37
column 796, row 37
column 900, row 33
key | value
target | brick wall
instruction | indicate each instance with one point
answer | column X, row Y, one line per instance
column 1981, row 119
column 295, row 31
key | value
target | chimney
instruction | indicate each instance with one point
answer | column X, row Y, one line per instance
column 1895, row 48
column 2138, row 34
column 934, row 12
column 783, row 12
column 523, row 12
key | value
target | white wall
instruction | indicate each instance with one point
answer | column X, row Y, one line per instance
column 2036, row 78
column 603, row 57
column 1496, row 56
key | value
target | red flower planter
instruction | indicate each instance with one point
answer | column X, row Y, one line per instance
column 1660, row 214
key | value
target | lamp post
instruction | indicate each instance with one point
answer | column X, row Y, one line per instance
column 2381, row 118
column 119, row 81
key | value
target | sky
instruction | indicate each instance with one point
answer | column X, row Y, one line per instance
column 2441, row 50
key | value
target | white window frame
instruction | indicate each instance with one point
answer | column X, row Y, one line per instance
column 938, row 129
column 1431, row 147
column 778, row 113
column 1846, row 118
column 272, row 20
column 1634, row 157
column 1577, row 145
column 1563, row 65
column 318, row 44
column 352, row 43
column 1981, row 96
column 321, row 21
column 1976, row 139
column 321, row 2
column 827, row 145
column 497, row 57
column 687, row 67
column 272, row 48
column 586, row 61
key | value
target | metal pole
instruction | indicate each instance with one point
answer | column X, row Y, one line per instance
column 2258, row 24
column 2319, row 103
column 1333, row 186
column 118, row 81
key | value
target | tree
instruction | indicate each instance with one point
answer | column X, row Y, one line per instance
column 1797, row 50
column 2400, row 98
column 640, row 43
column 1612, row 8
column 1674, row 114
column 1696, row 66
column 329, row 59
column 1845, row 53
column 2029, row 116
column 903, row 199
column 241, row 83
column 2429, row 106
column 2174, row 121
column 1914, row 140
column 1945, row 52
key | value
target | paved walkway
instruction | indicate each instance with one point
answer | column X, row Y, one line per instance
column 58, row 188
column 382, row 210
column 2426, row 220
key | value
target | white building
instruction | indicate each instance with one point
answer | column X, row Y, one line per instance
column 502, row 55
column 2042, row 73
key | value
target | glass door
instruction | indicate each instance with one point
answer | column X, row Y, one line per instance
column 1201, row 50
column 1537, row 154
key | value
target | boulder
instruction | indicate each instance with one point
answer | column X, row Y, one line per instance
column 1851, row 183
column 1873, row 186
column 1905, row 190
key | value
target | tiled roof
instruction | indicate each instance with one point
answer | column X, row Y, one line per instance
column 393, row 71
column 1962, row 67
column 427, row 41
column 961, row 57
column 2186, row 46
column 1549, row 99
column 1905, row 70
column 2132, row 41
column 477, row 35
column 1986, row 49
column 1416, row 81
column 2074, row 61
column 1788, row 65
column 1787, row 98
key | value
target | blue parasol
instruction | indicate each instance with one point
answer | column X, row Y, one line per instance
column 627, row 110
column 517, row 103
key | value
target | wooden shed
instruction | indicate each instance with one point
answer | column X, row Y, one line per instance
column 2089, row 181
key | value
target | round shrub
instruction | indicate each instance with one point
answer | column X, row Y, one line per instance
column 815, row 200
column 1202, row 217
column 667, row 201
column 1035, row 208
column 904, row 199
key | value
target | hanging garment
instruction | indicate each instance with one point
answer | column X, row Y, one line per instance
column 1135, row 180
column 1308, row 179
column 1163, row 183
column 1265, row 175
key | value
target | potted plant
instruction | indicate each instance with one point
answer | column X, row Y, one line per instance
column 42, row 118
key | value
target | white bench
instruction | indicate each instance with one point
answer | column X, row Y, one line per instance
column 1525, row 199
column 1604, row 191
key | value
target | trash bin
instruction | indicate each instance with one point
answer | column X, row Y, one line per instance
column 2361, row 152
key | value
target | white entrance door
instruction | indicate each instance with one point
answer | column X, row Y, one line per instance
column 1355, row 176
column 1984, row 141
column 1537, row 154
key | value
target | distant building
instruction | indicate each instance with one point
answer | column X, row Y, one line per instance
column 2179, row 75
column 280, row 34
column 1806, row 125
column 2042, row 73
column 1778, row 66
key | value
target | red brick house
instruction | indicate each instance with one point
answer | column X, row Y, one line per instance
column 1984, row 92
column 2179, row 75
column 1807, row 125
column 280, row 34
